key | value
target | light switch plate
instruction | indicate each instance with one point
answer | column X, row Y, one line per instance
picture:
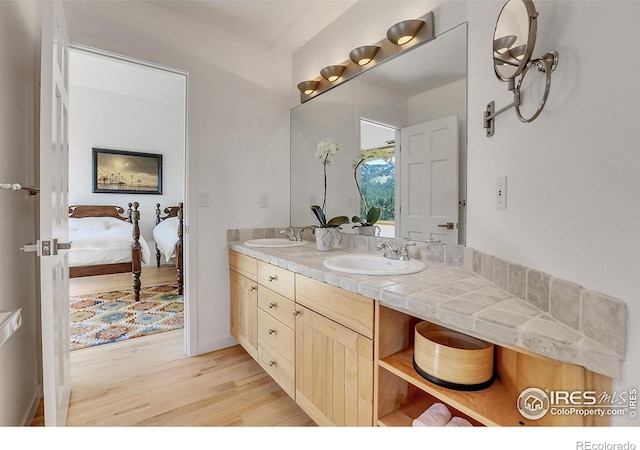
column 205, row 199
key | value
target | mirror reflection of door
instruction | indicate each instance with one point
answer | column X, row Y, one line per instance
column 429, row 184
column 377, row 177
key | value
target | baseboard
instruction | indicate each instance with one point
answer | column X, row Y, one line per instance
column 216, row 344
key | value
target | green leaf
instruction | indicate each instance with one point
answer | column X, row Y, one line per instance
column 337, row 221
column 373, row 215
column 356, row 219
column 319, row 215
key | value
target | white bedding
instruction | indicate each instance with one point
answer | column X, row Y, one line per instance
column 102, row 240
column 166, row 236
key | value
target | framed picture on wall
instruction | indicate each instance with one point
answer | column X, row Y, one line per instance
column 124, row 172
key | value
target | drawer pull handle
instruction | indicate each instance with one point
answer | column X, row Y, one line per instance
column 272, row 277
column 271, row 331
column 272, row 363
column 252, row 288
column 296, row 312
column 272, row 305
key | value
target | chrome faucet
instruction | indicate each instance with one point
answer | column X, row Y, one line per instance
column 389, row 251
column 290, row 232
column 392, row 253
column 295, row 234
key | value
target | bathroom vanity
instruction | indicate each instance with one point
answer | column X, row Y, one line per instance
column 341, row 345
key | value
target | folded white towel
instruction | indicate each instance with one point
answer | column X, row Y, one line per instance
column 437, row 415
column 458, row 422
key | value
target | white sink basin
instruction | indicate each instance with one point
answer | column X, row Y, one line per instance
column 273, row 242
column 365, row 264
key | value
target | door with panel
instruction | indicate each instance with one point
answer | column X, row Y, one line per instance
column 429, row 180
column 53, row 214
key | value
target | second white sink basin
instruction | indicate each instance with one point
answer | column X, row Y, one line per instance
column 273, row 242
column 366, row 264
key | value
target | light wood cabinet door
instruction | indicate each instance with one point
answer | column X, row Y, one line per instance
column 244, row 312
column 334, row 371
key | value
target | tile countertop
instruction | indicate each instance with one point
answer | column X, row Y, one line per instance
column 455, row 298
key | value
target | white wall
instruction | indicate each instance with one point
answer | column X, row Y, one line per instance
column 20, row 354
column 238, row 135
column 146, row 115
column 573, row 190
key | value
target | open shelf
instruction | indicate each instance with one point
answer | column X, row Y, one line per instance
column 492, row 406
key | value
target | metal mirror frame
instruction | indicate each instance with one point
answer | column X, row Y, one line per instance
column 546, row 64
column 532, row 15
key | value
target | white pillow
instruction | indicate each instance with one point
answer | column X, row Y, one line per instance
column 88, row 223
column 112, row 222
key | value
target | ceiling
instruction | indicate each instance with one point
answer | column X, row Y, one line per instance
column 283, row 24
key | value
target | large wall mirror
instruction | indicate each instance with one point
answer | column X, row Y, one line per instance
column 413, row 108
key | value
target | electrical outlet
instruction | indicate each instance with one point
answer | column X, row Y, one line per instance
column 264, row 200
column 501, row 193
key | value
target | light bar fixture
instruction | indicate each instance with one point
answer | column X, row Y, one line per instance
column 400, row 37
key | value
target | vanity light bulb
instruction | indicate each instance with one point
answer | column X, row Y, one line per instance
column 333, row 78
column 404, row 39
column 309, row 91
column 364, row 61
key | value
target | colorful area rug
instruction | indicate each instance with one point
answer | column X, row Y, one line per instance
column 98, row 319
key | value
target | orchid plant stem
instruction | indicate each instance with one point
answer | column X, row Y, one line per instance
column 355, row 177
column 324, row 200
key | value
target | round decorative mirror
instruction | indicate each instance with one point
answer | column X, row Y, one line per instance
column 513, row 41
column 514, row 38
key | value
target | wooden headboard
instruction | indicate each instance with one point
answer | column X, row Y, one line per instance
column 169, row 211
column 80, row 211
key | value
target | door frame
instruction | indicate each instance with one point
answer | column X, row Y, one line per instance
column 190, row 305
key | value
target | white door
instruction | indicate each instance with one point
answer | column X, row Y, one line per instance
column 54, row 211
column 429, row 180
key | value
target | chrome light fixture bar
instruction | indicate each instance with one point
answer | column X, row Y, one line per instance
column 400, row 38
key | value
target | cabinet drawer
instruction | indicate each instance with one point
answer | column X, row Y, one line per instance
column 347, row 308
column 277, row 367
column 276, row 278
column 277, row 306
column 277, row 335
column 243, row 264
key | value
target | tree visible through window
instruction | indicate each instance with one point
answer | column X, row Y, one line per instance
column 377, row 182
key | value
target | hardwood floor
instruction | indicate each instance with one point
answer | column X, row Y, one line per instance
column 151, row 276
column 148, row 381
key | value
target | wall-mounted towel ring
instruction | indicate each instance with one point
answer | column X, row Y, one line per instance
column 19, row 187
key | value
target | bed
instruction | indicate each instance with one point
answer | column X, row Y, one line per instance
column 168, row 236
column 105, row 240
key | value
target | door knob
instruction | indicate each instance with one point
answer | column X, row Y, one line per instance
column 448, row 225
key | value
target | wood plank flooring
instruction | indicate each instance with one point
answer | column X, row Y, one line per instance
column 148, row 381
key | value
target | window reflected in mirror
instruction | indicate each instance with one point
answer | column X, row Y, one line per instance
column 375, row 173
